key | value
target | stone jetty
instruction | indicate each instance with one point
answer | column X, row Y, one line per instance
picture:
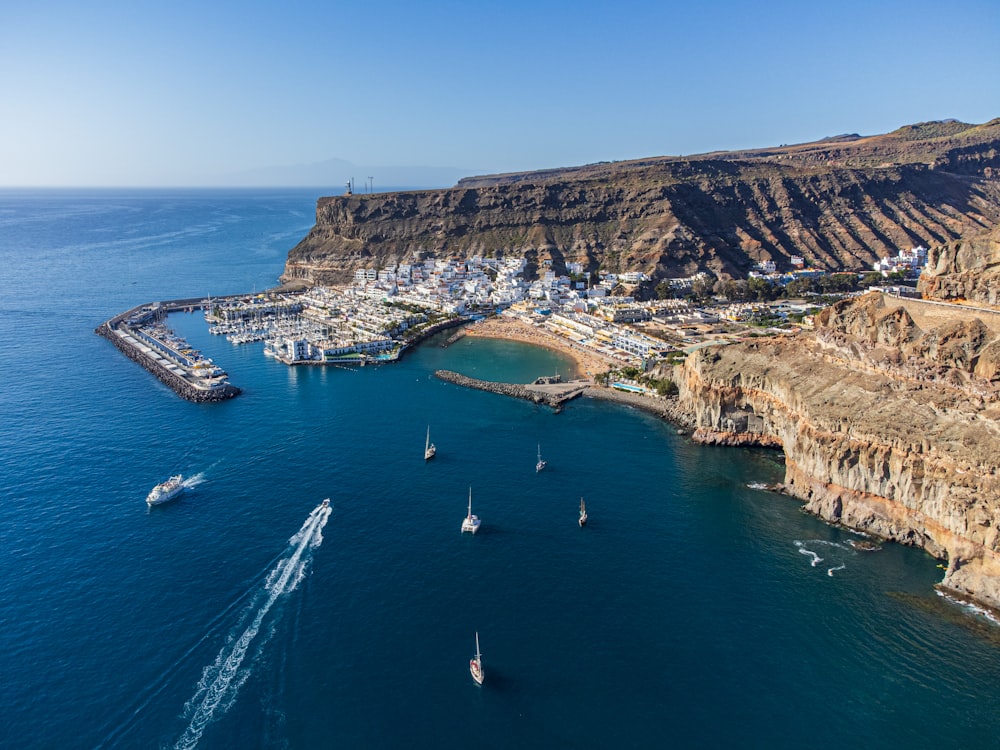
column 551, row 394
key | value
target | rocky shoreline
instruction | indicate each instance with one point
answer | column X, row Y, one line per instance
column 667, row 408
column 887, row 428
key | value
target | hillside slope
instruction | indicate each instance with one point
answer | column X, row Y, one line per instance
column 839, row 203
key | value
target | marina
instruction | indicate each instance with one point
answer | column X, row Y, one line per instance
column 142, row 336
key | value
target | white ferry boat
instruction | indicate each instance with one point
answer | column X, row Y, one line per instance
column 166, row 491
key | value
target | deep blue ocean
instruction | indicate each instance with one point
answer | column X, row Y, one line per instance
column 692, row 611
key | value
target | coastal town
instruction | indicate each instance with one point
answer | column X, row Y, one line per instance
column 592, row 317
column 599, row 320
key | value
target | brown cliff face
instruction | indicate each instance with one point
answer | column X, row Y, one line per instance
column 968, row 269
column 839, row 204
column 888, row 418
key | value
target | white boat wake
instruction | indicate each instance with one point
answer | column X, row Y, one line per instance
column 836, row 549
column 221, row 681
column 194, row 481
column 816, row 559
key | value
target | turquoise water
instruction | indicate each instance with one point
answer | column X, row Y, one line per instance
column 692, row 611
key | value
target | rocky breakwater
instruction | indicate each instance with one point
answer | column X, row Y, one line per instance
column 550, row 394
column 181, row 385
column 887, row 426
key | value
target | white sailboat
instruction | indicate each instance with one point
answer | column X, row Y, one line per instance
column 541, row 464
column 476, row 664
column 583, row 513
column 471, row 522
column 429, row 448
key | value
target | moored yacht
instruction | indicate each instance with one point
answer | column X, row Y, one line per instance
column 471, row 522
column 166, row 491
column 476, row 664
column 429, row 447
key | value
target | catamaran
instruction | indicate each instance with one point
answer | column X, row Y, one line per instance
column 541, row 464
column 471, row 522
column 166, row 491
column 429, row 448
column 476, row 664
column 583, row 513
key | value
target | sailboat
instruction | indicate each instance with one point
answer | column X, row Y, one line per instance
column 541, row 464
column 583, row 513
column 476, row 664
column 471, row 522
column 429, row 448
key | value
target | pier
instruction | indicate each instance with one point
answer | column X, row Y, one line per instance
column 553, row 392
column 140, row 336
column 549, row 393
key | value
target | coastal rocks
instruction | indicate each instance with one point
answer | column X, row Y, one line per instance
column 901, row 453
column 968, row 269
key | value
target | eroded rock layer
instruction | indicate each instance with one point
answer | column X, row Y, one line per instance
column 839, row 204
column 968, row 269
column 889, row 418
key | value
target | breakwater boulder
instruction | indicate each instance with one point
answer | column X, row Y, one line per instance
column 504, row 389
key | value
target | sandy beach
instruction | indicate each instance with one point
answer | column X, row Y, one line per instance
column 588, row 363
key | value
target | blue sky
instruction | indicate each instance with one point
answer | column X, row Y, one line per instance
column 188, row 93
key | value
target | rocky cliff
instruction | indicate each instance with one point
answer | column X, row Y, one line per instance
column 967, row 270
column 889, row 419
column 838, row 203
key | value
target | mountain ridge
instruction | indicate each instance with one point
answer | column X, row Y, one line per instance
column 839, row 204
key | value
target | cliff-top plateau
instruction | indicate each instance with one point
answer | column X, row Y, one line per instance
column 839, row 204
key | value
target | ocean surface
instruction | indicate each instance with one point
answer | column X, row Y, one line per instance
column 692, row 611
